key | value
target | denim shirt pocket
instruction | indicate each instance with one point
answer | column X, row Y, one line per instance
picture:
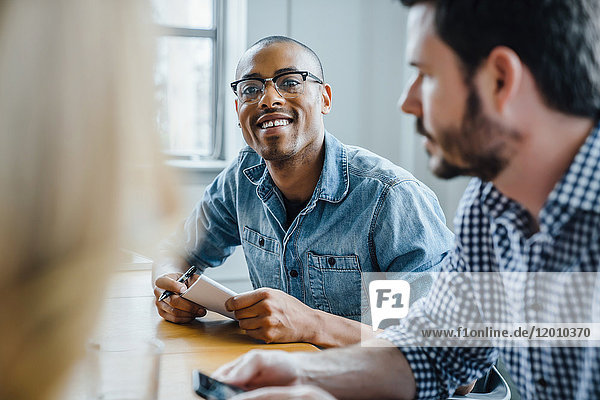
column 336, row 284
column 262, row 255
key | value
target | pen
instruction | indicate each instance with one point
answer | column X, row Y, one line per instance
column 182, row 278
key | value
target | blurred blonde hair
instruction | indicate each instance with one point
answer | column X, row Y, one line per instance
column 77, row 148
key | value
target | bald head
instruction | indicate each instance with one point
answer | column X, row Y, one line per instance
column 313, row 60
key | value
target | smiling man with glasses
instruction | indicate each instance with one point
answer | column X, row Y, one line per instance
column 311, row 213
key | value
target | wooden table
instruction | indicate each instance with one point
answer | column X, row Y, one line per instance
column 204, row 344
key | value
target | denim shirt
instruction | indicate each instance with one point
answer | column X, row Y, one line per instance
column 365, row 215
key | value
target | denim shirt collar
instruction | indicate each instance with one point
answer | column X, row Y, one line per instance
column 332, row 185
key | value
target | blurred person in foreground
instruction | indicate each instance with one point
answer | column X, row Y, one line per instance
column 75, row 119
column 508, row 92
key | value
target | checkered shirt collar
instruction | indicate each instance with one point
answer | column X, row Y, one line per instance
column 578, row 190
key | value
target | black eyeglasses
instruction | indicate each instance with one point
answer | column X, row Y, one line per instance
column 288, row 84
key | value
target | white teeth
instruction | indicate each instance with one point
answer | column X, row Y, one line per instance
column 277, row 122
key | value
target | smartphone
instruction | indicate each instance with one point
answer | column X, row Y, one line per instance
column 212, row 389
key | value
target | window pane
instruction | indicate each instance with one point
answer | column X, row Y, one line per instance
column 184, row 93
column 184, row 13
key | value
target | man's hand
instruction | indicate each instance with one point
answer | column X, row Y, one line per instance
column 378, row 372
column 259, row 368
column 274, row 316
column 175, row 308
column 286, row 392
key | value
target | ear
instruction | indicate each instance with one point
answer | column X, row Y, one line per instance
column 504, row 73
column 237, row 109
column 326, row 99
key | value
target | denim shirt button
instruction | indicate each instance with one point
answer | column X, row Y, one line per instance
column 331, row 261
column 261, row 242
column 542, row 382
column 294, row 273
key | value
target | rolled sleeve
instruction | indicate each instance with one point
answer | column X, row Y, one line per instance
column 439, row 371
column 428, row 384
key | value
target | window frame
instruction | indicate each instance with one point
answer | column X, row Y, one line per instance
column 216, row 34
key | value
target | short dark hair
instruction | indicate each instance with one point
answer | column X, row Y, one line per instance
column 558, row 40
column 284, row 39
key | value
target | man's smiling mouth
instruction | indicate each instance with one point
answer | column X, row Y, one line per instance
column 274, row 122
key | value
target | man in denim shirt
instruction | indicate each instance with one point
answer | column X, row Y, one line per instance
column 311, row 213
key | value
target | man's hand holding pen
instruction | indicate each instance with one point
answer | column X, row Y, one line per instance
column 175, row 308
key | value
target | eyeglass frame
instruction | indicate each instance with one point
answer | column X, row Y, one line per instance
column 304, row 74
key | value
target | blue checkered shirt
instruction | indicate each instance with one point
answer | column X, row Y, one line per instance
column 494, row 234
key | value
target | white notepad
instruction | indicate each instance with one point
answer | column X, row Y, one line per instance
column 210, row 295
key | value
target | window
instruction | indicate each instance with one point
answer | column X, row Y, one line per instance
column 189, row 54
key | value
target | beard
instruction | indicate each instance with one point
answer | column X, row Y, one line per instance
column 278, row 149
column 479, row 141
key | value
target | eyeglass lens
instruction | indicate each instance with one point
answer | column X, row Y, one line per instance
column 288, row 85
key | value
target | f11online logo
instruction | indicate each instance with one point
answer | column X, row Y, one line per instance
column 388, row 299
